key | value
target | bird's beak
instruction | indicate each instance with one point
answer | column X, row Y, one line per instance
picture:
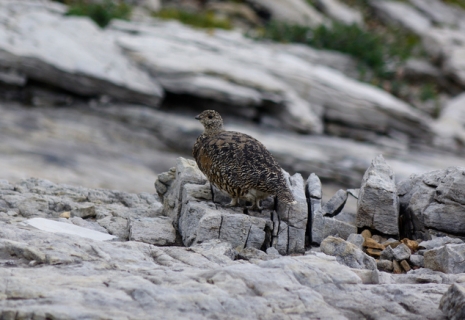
column 197, row 117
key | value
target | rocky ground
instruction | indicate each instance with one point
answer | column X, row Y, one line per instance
column 106, row 112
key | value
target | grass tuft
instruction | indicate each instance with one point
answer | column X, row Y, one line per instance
column 199, row 20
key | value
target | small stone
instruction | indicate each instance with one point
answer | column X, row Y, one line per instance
column 396, row 267
column 401, row 252
column 65, row 214
column 366, row 233
column 405, row 265
column 389, row 242
column 356, row 239
column 411, row 244
column 384, row 265
column 376, row 253
column 32, row 263
column 271, row 251
column 387, row 254
column 335, row 204
column 371, row 243
column 417, row 260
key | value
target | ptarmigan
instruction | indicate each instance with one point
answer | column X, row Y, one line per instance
column 238, row 164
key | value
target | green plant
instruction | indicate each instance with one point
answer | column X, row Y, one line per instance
column 377, row 50
column 102, row 13
column 199, row 20
column 460, row 3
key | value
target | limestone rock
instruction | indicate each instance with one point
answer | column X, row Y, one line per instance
column 433, row 202
column 93, row 65
column 401, row 252
column 448, row 259
column 323, row 226
column 340, row 12
column 378, row 203
column 396, row 12
column 453, row 302
column 439, row 242
column 356, row 239
column 417, row 260
column 347, row 253
column 335, row 205
column 157, row 231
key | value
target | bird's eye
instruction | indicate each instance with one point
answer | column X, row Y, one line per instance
column 210, row 116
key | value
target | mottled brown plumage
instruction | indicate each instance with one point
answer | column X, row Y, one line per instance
column 237, row 163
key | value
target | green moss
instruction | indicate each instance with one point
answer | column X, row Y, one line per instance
column 199, row 20
column 460, row 3
column 101, row 13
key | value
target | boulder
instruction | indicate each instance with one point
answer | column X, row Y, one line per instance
column 441, row 13
column 448, row 259
column 453, row 302
column 439, row 242
column 347, row 253
column 378, row 202
column 433, row 202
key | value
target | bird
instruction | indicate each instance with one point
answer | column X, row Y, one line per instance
column 238, row 164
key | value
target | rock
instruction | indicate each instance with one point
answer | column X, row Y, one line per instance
column 356, row 239
column 323, row 226
column 375, row 253
column 401, row 252
column 93, row 65
column 384, row 265
column 400, row 13
column 433, row 202
column 366, row 234
column 378, row 203
column 157, row 231
column 387, row 254
column 59, row 227
column 450, row 124
column 453, row 302
column 87, row 224
column 396, row 268
column 346, row 253
column 404, row 264
column 132, row 279
column 411, row 244
column 294, row 216
column 371, row 243
column 291, row 11
column 252, row 253
column 439, row 242
column 340, row 12
column 440, row 13
column 448, row 259
column 335, row 205
column 417, row 260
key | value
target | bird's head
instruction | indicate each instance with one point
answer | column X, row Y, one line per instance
column 211, row 120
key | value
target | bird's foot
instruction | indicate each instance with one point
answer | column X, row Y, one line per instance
column 233, row 203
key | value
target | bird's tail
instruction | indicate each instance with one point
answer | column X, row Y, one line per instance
column 286, row 197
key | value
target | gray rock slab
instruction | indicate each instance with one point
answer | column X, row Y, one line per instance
column 60, row 227
column 93, row 66
column 158, row 231
column 378, row 202
column 417, row 260
column 340, row 12
column 396, row 12
column 439, row 242
column 453, row 302
column 335, row 204
column 448, row 259
column 347, row 253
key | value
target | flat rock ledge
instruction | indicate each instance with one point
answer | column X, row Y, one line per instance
column 100, row 254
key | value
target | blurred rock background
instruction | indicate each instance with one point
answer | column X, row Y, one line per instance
column 102, row 93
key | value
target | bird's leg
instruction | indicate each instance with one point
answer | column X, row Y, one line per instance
column 213, row 193
column 233, row 202
column 256, row 205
